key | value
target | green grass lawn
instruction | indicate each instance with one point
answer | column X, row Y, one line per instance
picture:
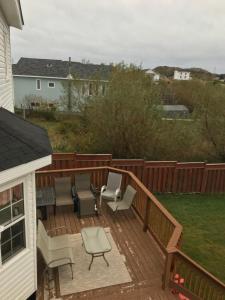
column 203, row 220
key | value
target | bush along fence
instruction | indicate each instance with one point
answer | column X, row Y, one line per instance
column 157, row 176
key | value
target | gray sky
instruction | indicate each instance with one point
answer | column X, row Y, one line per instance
column 185, row 33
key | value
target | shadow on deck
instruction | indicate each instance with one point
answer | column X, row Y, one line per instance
column 144, row 260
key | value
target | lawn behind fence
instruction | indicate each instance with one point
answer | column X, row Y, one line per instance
column 203, row 220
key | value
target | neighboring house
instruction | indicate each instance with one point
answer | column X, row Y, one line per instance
column 44, row 78
column 182, row 75
column 155, row 76
column 24, row 148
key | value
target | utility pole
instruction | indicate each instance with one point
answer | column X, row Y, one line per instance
column 69, row 77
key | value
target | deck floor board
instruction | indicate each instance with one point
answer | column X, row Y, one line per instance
column 144, row 260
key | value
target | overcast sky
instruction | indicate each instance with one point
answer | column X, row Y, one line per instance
column 185, row 33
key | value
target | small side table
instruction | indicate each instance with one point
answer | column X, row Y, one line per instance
column 45, row 197
column 95, row 242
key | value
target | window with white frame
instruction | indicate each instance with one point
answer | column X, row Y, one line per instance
column 12, row 222
column 38, row 84
column 51, row 84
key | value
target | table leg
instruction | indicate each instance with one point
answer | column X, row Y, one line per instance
column 92, row 258
column 105, row 260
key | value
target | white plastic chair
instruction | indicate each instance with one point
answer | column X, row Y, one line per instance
column 111, row 191
column 126, row 202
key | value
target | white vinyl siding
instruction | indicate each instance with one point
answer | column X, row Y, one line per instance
column 18, row 276
column 6, row 89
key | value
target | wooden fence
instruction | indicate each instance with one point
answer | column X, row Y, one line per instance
column 167, row 232
column 157, row 176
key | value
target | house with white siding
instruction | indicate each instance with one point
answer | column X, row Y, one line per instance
column 45, row 80
column 24, row 148
column 155, row 76
column 181, row 75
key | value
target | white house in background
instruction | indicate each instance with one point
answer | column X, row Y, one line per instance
column 24, row 148
column 155, row 76
column 182, row 75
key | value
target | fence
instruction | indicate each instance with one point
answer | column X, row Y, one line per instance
column 162, row 176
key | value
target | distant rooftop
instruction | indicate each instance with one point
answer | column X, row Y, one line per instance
column 59, row 68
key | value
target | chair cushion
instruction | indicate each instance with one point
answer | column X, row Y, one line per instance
column 82, row 181
column 59, row 241
column 108, row 195
column 85, row 195
column 61, row 254
column 119, row 205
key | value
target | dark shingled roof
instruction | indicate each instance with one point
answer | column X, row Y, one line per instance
column 60, row 68
column 20, row 141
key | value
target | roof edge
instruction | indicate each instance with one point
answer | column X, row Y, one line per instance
column 13, row 13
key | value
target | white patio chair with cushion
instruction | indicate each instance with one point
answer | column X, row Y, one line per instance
column 126, row 202
column 56, row 251
column 63, row 191
column 111, row 191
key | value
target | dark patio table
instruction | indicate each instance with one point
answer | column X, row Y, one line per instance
column 45, row 197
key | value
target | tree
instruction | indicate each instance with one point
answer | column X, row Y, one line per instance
column 73, row 94
column 125, row 121
column 210, row 112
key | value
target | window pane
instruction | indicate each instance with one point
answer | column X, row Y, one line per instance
column 6, row 235
column 51, row 84
column 18, row 236
column 5, row 198
column 12, row 240
column 18, row 243
column 17, row 228
column 18, row 209
column 17, row 192
column 38, row 82
column 6, row 251
column 5, row 215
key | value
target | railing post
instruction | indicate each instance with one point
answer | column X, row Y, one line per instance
column 147, row 211
column 167, row 270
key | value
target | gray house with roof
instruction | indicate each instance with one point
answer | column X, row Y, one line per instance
column 44, row 79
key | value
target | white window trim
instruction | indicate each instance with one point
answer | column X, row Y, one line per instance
column 51, row 87
column 36, row 84
column 24, row 217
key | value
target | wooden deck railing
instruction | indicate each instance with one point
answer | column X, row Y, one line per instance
column 167, row 232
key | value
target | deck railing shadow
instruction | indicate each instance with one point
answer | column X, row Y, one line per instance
column 167, row 232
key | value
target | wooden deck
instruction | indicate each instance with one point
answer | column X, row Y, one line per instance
column 144, row 259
